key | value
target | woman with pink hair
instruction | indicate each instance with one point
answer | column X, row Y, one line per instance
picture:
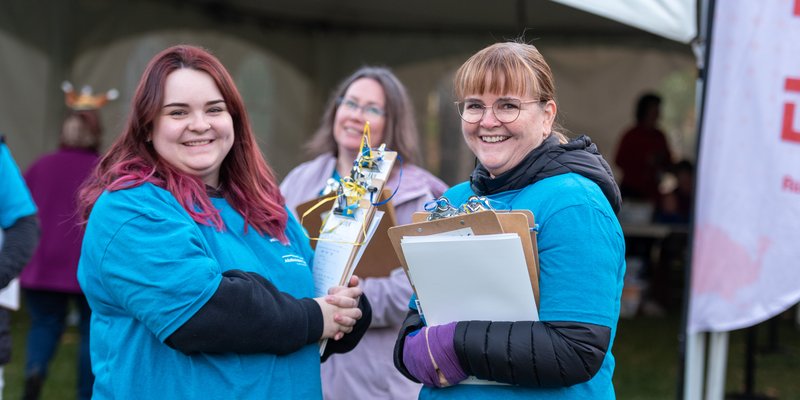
column 199, row 279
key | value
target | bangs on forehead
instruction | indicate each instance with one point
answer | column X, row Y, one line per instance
column 498, row 72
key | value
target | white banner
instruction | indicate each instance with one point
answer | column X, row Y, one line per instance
column 746, row 258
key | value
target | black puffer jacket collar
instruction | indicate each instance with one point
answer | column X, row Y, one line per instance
column 580, row 156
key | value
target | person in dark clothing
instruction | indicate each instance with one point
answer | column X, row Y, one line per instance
column 19, row 234
column 508, row 109
column 198, row 278
column 643, row 154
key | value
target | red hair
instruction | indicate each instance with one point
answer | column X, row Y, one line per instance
column 249, row 183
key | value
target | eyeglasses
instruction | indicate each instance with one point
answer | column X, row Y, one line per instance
column 369, row 110
column 505, row 110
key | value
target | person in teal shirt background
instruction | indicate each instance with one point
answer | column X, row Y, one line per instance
column 19, row 234
column 198, row 278
column 507, row 103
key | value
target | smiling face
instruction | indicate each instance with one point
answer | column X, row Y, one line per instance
column 348, row 124
column 193, row 130
column 502, row 146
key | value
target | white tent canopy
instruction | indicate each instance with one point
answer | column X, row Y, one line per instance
column 673, row 19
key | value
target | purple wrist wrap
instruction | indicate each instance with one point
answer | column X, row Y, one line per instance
column 433, row 342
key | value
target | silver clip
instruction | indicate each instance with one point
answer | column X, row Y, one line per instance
column 440, row 208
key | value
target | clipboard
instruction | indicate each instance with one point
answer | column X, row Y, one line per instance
column 481, row 223
column 379, row 258
column 334, row 265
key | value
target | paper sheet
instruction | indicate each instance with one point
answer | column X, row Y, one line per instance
column 332, row 254
column 460, row 278
column 333, row 262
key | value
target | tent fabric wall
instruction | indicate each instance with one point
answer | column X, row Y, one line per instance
column 22, row 96
column 99, row 45
column 279, row 100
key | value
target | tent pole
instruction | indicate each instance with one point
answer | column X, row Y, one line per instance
column 695, row 350
column 717, row 362
column 687, row 372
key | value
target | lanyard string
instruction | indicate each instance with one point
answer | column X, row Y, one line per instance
column 399, row 180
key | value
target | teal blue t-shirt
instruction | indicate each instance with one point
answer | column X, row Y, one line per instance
column 146, row 267
column 15, row 198
column 581, row 269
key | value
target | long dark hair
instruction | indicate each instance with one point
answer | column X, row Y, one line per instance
column 400, row 130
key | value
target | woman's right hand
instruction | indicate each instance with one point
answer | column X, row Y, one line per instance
column 339, row 314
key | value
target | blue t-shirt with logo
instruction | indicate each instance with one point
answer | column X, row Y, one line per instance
column 146, row 267
column 15, row 198
column 581, row 269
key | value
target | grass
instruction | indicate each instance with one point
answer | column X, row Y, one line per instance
column 62, row 377
column 646, row 350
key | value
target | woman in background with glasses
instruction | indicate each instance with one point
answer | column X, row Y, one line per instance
column 507, row 103
column 370, row 94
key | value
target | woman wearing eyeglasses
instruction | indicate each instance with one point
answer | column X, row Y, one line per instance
column 371, row 94
column 507, row 104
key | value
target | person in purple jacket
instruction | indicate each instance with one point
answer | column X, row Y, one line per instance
column 371, row 94
column 49, row 281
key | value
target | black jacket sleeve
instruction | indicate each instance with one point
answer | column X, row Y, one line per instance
column 350, row 340
column 531, row 353
column 412, row 323
column 19, row 242
column 248, row 314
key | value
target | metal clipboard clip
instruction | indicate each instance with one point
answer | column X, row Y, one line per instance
column 475, row 204
column 440, row 208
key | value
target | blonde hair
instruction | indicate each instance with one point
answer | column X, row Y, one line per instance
column 509, row 67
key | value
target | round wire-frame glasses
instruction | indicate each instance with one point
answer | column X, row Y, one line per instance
column 505, row 110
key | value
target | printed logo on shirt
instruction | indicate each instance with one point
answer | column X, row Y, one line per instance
column 295, row 259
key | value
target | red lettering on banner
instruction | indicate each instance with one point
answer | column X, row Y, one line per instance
column 788, row 133
column 791, row 185
column 792, row 84
column 797, row 8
